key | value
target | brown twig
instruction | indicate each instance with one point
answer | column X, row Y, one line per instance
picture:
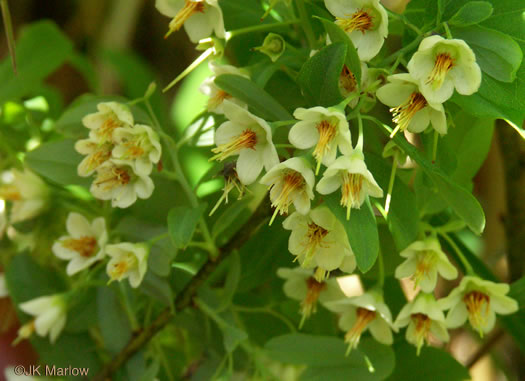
column 184, row 298
column 485, row 348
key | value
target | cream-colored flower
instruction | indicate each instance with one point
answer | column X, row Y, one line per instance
column 424, row 260
column 361, row 313
column 300, row 284
column 351, row 175
column 96, row 155
column 291, row 181
column 139, row 146
column 28, row 193
column 410, row 108
column 424, row 318
column 85, row 243
column 3, row 286
column 216, row 95
column 128, row 260
column 50, row 316
column 248, row 136
column 364, row 21
column 478, row 300
column 116, row 181
column 110, row 116
column 324, row 128
column 441, row 65
column 319, row 240
column 201, row 18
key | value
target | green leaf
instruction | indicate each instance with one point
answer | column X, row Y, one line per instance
column 157, row 287
column 261, row 103
column 57, row 161
column 326, row 360
column 41, row 49
column 431, row 365
column 232, row 281
column 472, row 13
column 319, row 76
column 112, row 319
column 182, row 222
column 352, row 60
column 497, row 54
column 361, row 230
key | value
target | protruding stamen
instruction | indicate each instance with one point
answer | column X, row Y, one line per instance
column 443, row 64
column 24, row 332
column 360, row 20
column 422, row 323
column 350, row 190
column 120, row 268
column 309, row 304
column 478, row 307
column 216, row 100
column 108, row 126
column 231, row 181
column 404, row 113
column 327, row 132
column 315, row 237
column 292, row 182
column 364, row 317
column 248, row 139
column 10, row 193
column 425, row 261
column 113, row 178
column 85, row 246
column 189, row 9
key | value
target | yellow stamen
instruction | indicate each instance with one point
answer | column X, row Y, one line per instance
column 24, row 332
column 403, row 114
column 443, row 64
column 315, row 237
column 248, row 139
column 360, row 20
column 113, row 177
column 216, row 100
column 309, row 304
column 425, row 261
column 292, row 182
column 85, row 246
column 478, row 307
column 10, row 193
column 347, row 81
column 119, row 269
column 327, row 132
column 350, row 191
column 189, row 9
column 364, row 317
column 105, row 131
column 422, row 323
column 231, row 182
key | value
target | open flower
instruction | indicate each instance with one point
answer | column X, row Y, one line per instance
column 441, row 65
column 139, row 146
column 478, row 300
column 424, row 260
column 28, row 193
column 424, row 318
column 96, row 155
column 291, row 181
column 410, row 108
column 50, row 316
column 128, row 260
column 324, row 128
column 201, row 18
column 216, row 95
column 248, row 136
column 231, row 182
column 364, row 21
column 110, row 116
column 319, row 240
column 85, row 243
column 351, row 175
column 361, row 313
column 301, row 285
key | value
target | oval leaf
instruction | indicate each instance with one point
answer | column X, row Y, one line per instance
column 182, row 222
column 472, row 13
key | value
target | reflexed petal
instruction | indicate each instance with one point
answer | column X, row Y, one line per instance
column 503, row 305
column 395, row 94
column 467, row 79
column 249, row 165
column 406, row 269
column 438, row 120
column 78, row 226
column 328, row 185
column 381, row 331
column 420, row 121
column 303, row 135
column 457, row 315
column 198, row 26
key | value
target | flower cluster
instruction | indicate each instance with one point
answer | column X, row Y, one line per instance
column 120, row 153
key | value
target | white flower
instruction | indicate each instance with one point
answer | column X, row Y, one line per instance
column 85, row 243
column 96, row 155
column 201, row 18
column 441, row 65
column 128, row 260
column 29, row 194
column 361, row 313
column 478, row 300
column 291, row 181
column 50, row 316
column 410, row 108
column 217, row 95
column 117, row 182
column 424, row 260
column 364, row 21
column 248, row 136
column 301, row 285
column 3, row 286
column 139, row 146
column 319, row 240
column 351, row 175
column 110, row 116
column 424, row 318
column 326, row 129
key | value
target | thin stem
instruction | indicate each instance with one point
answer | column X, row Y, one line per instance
column 435, row 146
column 8, row 26
column 403, row 51
column 189, row 69
column 269, row 311
column 359, row 145
column 154, row 240
column 447, row 31
column 390, row 186
column 127, row 307
column 468, row 268
column 404, row 21
column 258, row 28
column 282, row 123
